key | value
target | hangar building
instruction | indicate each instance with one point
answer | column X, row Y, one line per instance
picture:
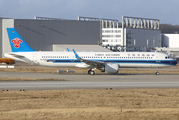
column 51, row 34
column 170, row 44
column 45, row 33
column 133, row 34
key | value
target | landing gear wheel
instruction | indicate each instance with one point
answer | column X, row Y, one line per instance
column 91, row 72
column 157, row 73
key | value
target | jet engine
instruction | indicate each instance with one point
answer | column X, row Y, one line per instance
column 110, row 68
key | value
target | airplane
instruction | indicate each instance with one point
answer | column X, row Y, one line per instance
column 108, row 62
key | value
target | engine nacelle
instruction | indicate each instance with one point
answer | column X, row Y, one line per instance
column 110, row 68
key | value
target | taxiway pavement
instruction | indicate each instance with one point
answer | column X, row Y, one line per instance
column 85, row 81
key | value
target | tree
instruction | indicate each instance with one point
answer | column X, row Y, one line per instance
column 168, row 28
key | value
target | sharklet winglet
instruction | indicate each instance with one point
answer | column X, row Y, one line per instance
column 76, row 55
column 68, row 50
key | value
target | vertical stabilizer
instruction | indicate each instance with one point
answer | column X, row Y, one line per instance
column 16, row 42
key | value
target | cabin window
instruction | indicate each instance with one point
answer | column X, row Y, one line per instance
column 133, row 54
column 148, row 54
column 153, row 55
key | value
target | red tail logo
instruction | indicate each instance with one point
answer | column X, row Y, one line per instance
column 16, row 42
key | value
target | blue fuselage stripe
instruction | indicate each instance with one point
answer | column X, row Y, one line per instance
column 117, row 61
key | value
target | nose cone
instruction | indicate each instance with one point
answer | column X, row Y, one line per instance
column 174, row 62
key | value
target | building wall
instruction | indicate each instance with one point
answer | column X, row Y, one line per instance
column 170, row 40
column 42, row 34
column 134, row 39
column 143, row 37
column 6, row 23
column 112, row 36
column 0, row 37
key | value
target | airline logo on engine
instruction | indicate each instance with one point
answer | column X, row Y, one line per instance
column 16, row 42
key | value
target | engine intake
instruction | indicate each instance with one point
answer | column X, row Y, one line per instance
column 110, row 68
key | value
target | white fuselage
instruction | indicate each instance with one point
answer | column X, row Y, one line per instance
column 68, row 59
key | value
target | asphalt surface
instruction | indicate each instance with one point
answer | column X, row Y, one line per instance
column 85, row 81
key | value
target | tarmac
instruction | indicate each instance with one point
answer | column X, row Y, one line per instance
column 85, row 81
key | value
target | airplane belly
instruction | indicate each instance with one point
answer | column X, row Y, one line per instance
column 143, row 65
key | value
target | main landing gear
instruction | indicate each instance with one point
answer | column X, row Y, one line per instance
column 156, row 71
column 91, row 72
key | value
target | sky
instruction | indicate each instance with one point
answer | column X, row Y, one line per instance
column 167, row 11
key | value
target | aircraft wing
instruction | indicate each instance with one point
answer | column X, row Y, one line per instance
column 95, row 64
